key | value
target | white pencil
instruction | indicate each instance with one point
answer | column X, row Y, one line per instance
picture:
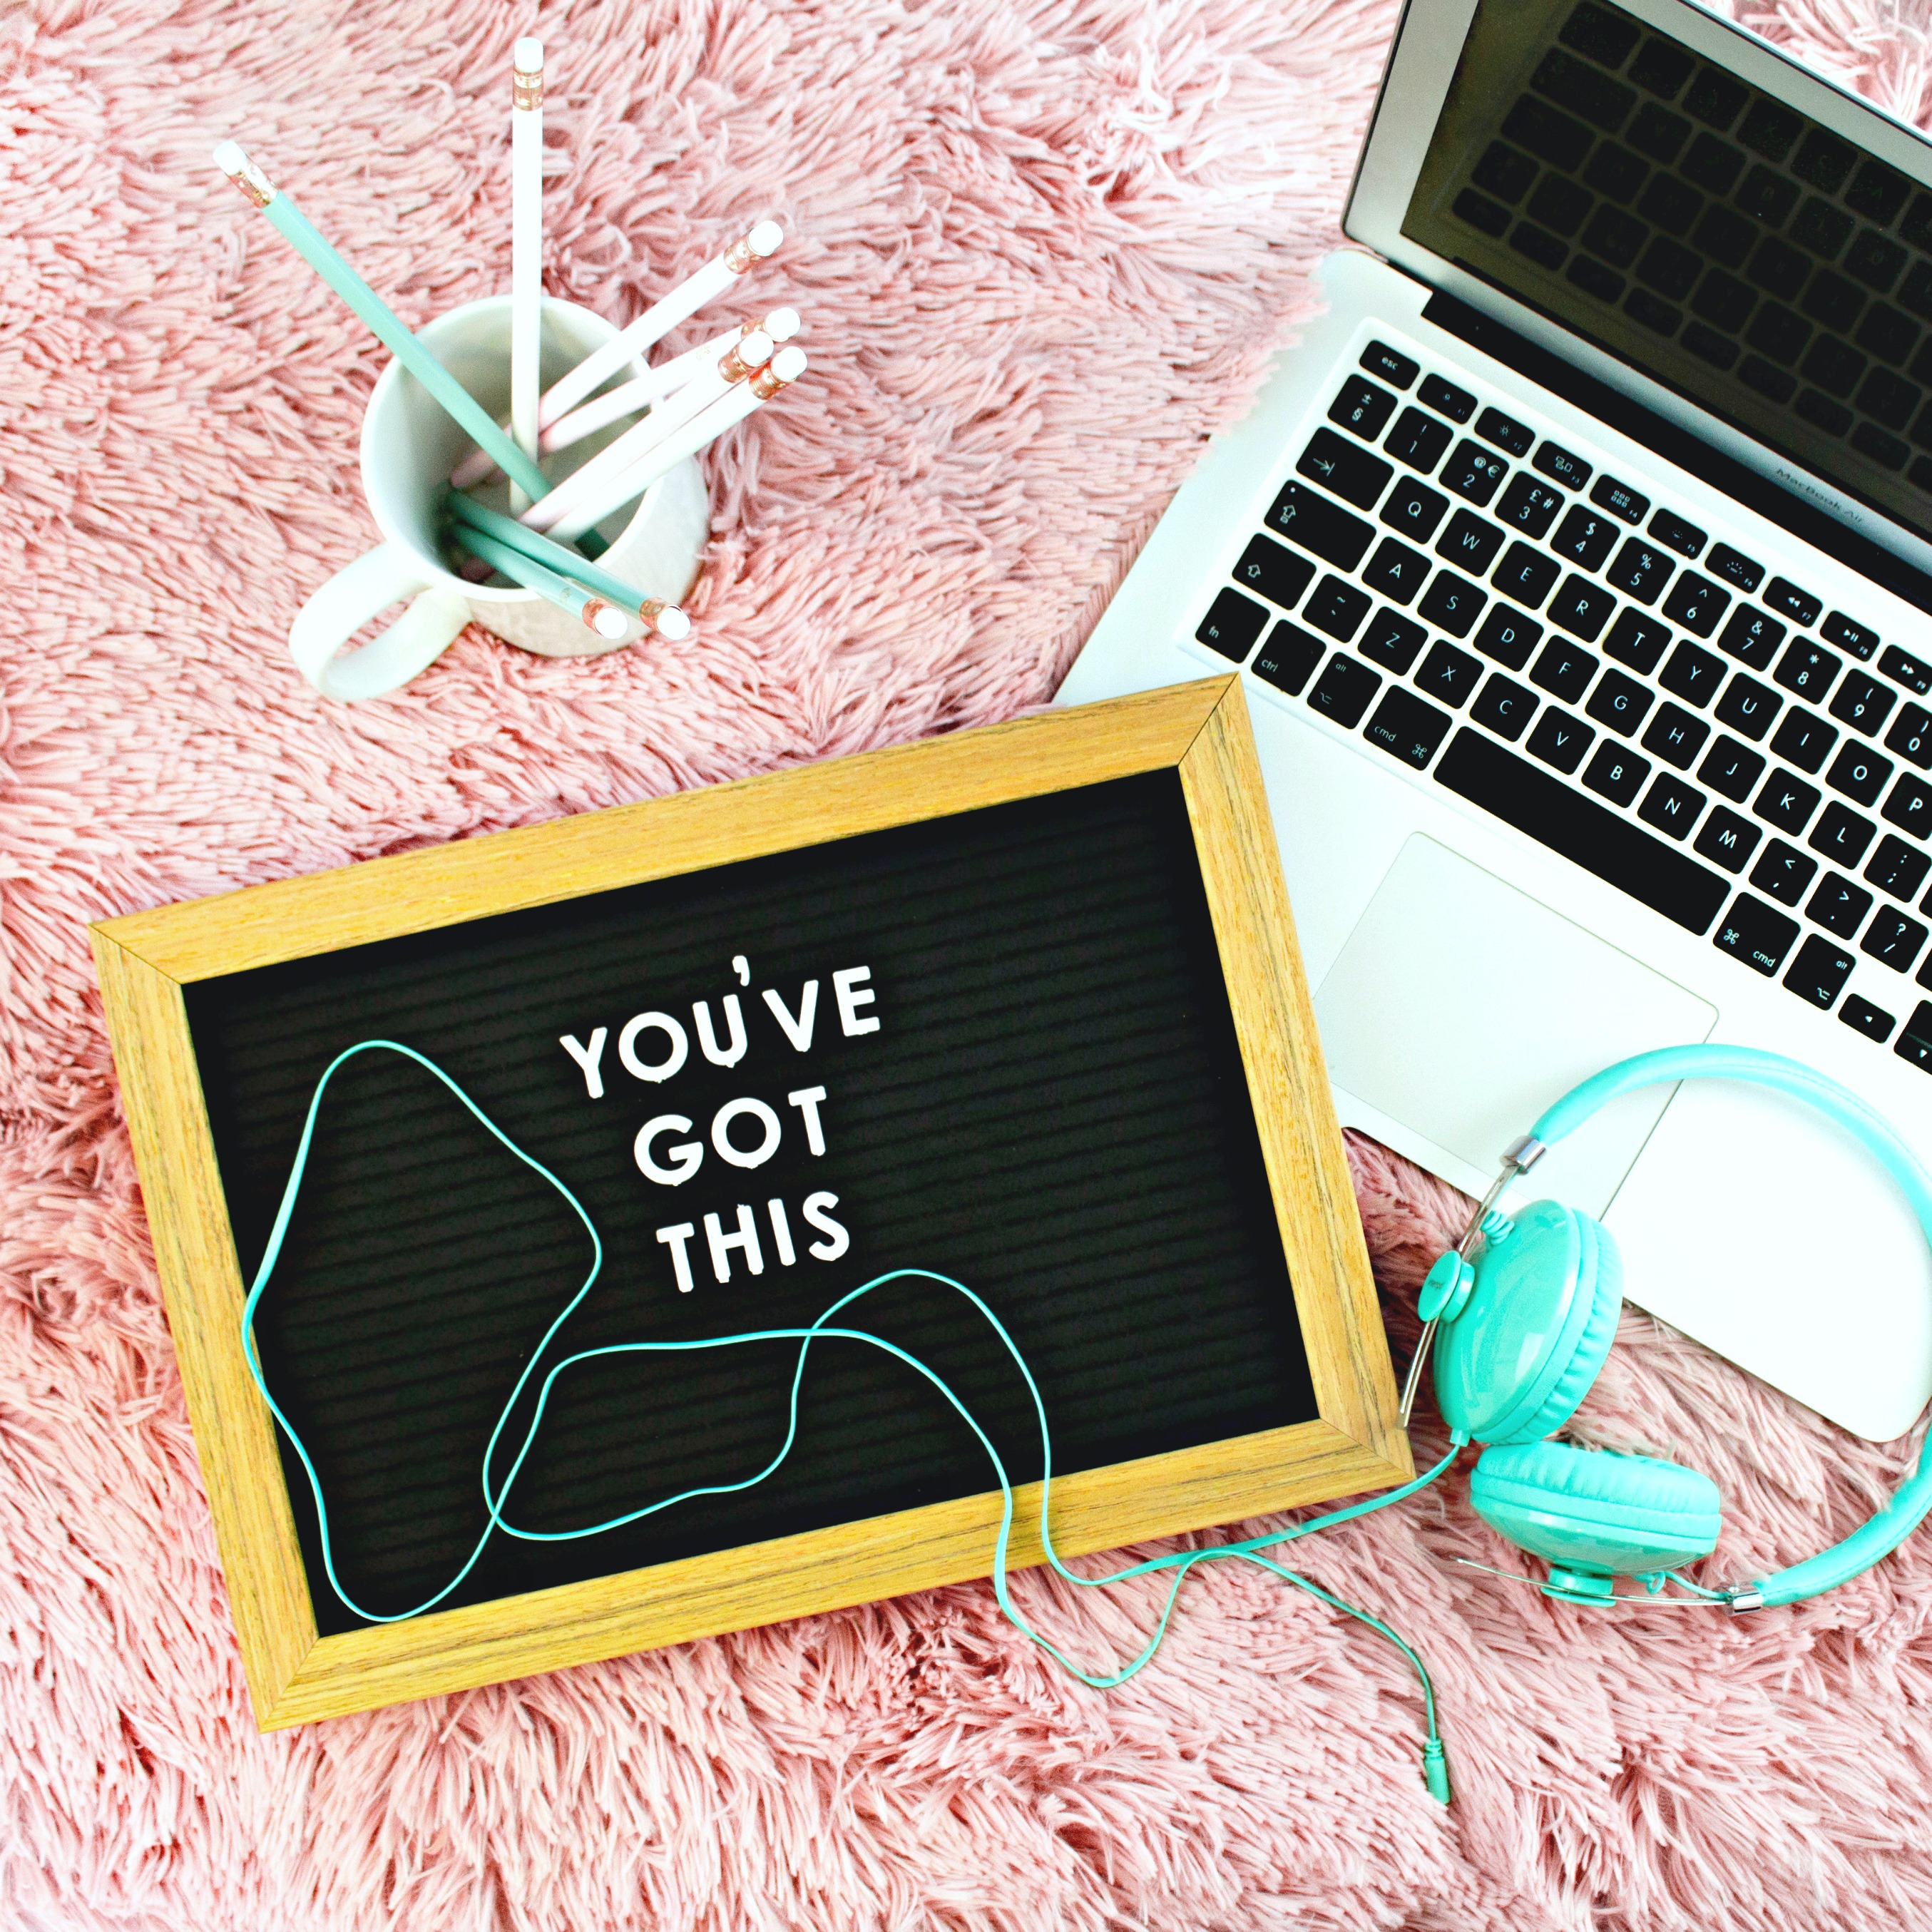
column 663, row 379
column 526, row 248
column 638, row 441
column 786, row 366
column 657, row 321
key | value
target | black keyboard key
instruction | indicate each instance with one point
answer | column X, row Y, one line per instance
column 1352, row 472
column 1336, row 609
column 1747, row 707
column 1471, row 542
column 1671, row 805
column 1915, row 1037
column 1452, row 604
column 1674, row 533
column 1909, row 807
column 1862, row 702
column 1393, row 367
column 1840, row 834
column 1787, row 802
column 1839, row 906
column 1859, row 639
column 1734, row 568
column 1528, row 505
column 1893, row 940
column 1859, row 773
column 1911, row 736
column 1473, row 473
column 1232, row 624
column 1800, row 606
column 1505, row 706
column 1405, row 727
column 1897, row 868
column 1803, row 740
column 1560, row 467
column 1637, row 641
column 1619, row 702
column 1874, row 1022
column 1676, row 737
column 1396, row 572
column 1692, row 673
column 1583, row 89
column 1525, row 574
column 1581, row 607
column 1784, row 872
column 1311, row 522
column 1508, row 636
column 1731, row 769
column 1505, row 432
column 1619, row 499
column 1392, row 641
column 1288, row 660
column 1641, row 571
column 1343, row 690
column 1807, row 669
column 1584, row 537
column 1727, row 840
column 1458, row 405
column 1820, row 972
column 1415, row 509
column 1362, row 406
column 1759, row 934
column 1696, row 603
column 1751, row 638
column 1418, row 440
column 1616, row 773
column 1563, row 670
column 1560, row 740
column 1273, row 570
column 1911, row 672
column 1578, row 829
column 1449, row 675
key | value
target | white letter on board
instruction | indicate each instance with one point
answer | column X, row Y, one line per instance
column 781, row 1232
column 689, row 1157
column 674, row 1239
column 627, row 1046
column 846, row 989
column 590, row 1058
column 806, row 1101
column 722, row 1243
column 721, row 1136
column 734, row 1018
column 829, row 1250
column 798, row 1031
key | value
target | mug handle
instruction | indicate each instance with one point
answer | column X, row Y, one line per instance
column 376, row 580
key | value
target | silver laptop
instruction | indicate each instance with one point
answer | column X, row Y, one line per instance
column 1577, row 565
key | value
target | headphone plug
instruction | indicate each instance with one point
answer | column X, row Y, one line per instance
column 1435, row 1771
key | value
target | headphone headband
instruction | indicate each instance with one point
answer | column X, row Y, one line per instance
column 1908, row 1507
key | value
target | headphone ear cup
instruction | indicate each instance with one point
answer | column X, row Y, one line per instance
column 1602, row 1275
column 1594, row 1510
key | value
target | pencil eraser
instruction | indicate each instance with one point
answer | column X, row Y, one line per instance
column 529, row 56
column 764, row 239
column 781, row 325
column 673, row 624
column 610, row 622
column 229, row 158
column 788, row 365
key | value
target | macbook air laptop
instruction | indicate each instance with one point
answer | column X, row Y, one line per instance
column 1576, row 566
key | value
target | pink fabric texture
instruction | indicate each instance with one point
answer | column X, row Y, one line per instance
column 1043, row 247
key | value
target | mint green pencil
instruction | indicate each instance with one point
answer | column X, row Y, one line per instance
column 596, row 613
column 301, row 235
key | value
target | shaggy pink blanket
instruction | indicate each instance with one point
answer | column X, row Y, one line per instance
column 1043, row 247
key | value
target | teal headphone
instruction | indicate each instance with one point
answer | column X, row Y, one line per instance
column 1528, row 1305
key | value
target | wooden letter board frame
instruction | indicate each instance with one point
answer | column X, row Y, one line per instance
column 1201, row 731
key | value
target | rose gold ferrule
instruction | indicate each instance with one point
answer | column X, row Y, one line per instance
column 733, row 366
column 738, row 257
column 650, row 611
column 591, row 612
column 766, row 383
column 254, row 184
column 526, row 90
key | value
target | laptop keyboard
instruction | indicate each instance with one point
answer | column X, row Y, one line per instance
column 1583, row 662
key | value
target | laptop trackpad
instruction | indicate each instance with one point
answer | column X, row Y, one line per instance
column 1459, row 1008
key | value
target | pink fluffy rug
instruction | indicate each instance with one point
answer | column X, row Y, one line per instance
column 1044, row 247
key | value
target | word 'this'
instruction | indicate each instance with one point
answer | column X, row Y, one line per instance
column 663, row 1037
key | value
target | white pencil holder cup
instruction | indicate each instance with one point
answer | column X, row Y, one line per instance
column 410, row 446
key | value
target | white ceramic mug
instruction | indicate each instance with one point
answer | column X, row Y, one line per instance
column 410, row 446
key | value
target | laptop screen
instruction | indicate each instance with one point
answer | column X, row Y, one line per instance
column 1758, row 262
